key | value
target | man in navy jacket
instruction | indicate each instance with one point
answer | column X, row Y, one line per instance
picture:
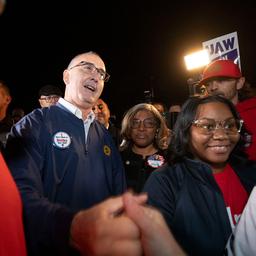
column 63, row 160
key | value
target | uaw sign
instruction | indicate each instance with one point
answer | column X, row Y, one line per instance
column 224, row 47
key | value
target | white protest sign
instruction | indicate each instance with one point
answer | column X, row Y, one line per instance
column 224, row 47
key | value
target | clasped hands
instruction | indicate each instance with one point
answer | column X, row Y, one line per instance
column 124, row 226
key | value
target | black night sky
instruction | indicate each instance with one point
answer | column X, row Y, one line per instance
column 141, row 42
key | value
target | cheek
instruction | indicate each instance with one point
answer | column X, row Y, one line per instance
column 234, row 139
column 132, row 133
column 100, row 87
column 197, row 142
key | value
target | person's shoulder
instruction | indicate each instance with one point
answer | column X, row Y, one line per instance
column 126, row 151
column 31, row 116
column 52, row 111
column 37, row 115
column 167, row 171
column 98, row 125
column 101, row 130
column 165, row 179
column 247, row 104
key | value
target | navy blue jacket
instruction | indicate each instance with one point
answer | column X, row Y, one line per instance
column 59, row 174
column 192, row 203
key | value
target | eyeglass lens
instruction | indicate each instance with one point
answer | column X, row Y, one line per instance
column 147, row 123
column 90, row 68
column 231, row 126
column 50, row 98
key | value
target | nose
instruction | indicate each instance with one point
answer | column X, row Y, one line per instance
column 212, row 86
column 220, row 133
column 141, row 127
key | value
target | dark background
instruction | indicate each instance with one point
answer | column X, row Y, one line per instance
column 142, row 43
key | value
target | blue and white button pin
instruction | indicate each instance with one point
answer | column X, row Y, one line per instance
column 61, row 140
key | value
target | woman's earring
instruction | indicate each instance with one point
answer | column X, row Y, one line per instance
column 157, row 130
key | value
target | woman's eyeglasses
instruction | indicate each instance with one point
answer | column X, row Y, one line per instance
column 208, row 126
column 147, row 123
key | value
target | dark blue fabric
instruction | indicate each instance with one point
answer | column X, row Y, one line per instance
column 56, row 182
column 192, row 203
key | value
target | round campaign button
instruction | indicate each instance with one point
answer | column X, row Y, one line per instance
column 61, row 140
column 155, row 161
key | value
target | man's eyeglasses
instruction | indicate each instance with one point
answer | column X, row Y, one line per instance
column 90, row 68
column 147, row 123
column 207, row 126
column 50, row 98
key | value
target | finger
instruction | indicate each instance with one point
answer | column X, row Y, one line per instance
column 139, row 198
column 132, row 207
column 141, row 215
column 113, row 206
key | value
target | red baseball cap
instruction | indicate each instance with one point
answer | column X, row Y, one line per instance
column 220, row 68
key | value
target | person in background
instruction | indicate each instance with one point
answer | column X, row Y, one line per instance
column 172, row 115
column 17, row 114
column 205, row 186
column 160, row 107
column 64, row 161
column 12, row 240
column 102, row 114
column 242, row 241
column 145, row 139
column 223, row 77
column 49, row 95
column 6, row 121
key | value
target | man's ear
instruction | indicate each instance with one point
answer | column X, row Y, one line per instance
column 240, row 83
column 8, row 99
column 66, row 77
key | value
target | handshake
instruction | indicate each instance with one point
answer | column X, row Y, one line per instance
column 123, row 226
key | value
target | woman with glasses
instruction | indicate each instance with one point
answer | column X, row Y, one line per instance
column 145, row 139
column 205, row 186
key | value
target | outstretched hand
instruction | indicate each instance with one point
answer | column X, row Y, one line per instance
column 104, row 230
column 156, row 237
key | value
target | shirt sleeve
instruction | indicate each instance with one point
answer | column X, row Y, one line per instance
column 242, row 241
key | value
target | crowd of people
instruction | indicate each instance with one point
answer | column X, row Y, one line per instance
column 67, row 169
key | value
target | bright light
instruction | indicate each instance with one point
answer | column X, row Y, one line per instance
column 197, row 59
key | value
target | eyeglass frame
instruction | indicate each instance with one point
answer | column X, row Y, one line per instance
column 219, row 124
column 100, row 71
column 143, row 121
column 49, row 98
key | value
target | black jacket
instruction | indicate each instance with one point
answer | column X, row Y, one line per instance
column 192, row 203
column 137, row 169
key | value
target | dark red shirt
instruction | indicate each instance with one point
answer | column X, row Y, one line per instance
column 235, row 196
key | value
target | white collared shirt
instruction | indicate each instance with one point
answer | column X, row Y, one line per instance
column 78, row 113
